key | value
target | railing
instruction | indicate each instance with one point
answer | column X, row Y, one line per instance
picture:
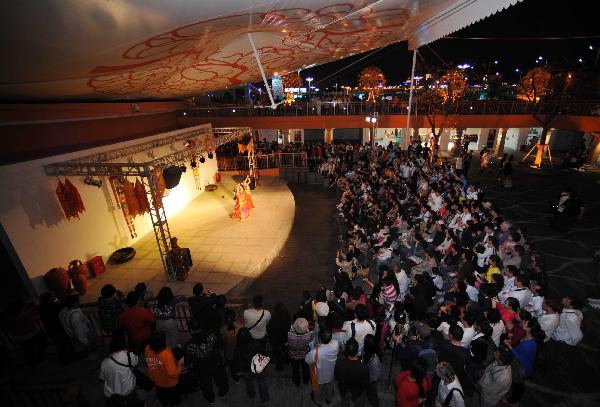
column 182, row 314
column 475, row 107
column 277, row 160
column 43, row 395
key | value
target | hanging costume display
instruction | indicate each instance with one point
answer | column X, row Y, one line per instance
column 142, row 199
column 69, row 199
column 117, row 189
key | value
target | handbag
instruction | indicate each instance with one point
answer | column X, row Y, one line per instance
column 141, row 380
column 314, row 376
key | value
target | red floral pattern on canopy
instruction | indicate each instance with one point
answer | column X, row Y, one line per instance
column 216, row 53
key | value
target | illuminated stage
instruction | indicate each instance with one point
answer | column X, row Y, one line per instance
column 225, row 252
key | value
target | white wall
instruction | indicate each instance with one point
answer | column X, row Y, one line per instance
column 40, row 234
column 511, row 142
column 383, row 135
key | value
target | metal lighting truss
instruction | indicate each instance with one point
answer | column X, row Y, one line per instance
column 102, row 164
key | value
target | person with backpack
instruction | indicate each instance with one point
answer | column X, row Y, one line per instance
column 496, row 381
column 450, row 392
column 256, row 320
column 246, row 352
column 163, row 369
column 324, row 356
column 116, row 370
column 360, row 327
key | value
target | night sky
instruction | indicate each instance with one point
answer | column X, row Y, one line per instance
column 530, row 18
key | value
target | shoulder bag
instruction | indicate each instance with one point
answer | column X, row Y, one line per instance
column 141, row 380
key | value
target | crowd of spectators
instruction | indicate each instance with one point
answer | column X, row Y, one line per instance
column 429, row 275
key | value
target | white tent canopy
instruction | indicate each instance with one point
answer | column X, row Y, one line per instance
column 98, row 49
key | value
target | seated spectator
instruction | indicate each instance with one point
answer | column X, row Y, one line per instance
column 569, row 324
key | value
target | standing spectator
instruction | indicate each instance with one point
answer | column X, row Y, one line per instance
column 201, row 304
column 452, row 352
column 569, row 324
column 246, row 348
column 110, row 306
column 352, row 376
column 165, row 314
column 277, row 329
column 372, row 360
column 163, row 369
column 77, row 326
column 48, row 310
column 229, row 332
column 412, row 385
column 204, row 361
column 138, row 322
column 450, row 391
column 360, row 327
column 325, row 356
column 299, row 337
column 496, row 380
column 256, row 320
column 27, row 333
column 116, row 370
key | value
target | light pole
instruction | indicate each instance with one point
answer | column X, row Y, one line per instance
column 309, row 80
column 372, row 119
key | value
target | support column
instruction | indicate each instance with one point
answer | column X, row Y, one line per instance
column 500, row 139
column 444, row 137
column 410, row 95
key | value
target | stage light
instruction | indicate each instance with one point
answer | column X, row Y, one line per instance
column 580, row 60
column 591, row 47
column 496, row 62
column 172, row 176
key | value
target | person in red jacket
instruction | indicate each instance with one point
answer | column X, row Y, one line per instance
column 412, row 385
column 138, row 322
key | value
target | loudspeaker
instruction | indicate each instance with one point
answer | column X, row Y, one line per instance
column 172, row 176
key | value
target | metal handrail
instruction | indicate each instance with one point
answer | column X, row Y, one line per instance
column 468, row 107
column 275, row 160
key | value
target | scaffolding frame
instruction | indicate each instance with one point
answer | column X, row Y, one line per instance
column 107, row 164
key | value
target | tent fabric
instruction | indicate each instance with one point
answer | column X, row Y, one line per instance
column 457, row 16
column 157, row 49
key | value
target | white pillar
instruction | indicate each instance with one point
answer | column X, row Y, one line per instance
column 444, row 137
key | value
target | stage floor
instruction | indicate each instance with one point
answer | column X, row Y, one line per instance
column 225, row 253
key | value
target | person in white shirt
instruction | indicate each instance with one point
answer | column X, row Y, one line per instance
column 403, row 282
column 450, row 392
column 496, row 381
column 76, row 324
column 360, row 327
column 498, row 328
column 115, row 370
column 257, row 318
column 551, row 317
column 468, row 330
column 509, row 273
column 520, row 292
column 471, row 290
column 569, row 324
column 325, row 354
column 536, row 304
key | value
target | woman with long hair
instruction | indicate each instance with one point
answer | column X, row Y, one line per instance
column 412, row 385
column 371, row 357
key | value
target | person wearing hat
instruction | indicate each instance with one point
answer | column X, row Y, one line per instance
column 299, row 337
column 203, row 360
